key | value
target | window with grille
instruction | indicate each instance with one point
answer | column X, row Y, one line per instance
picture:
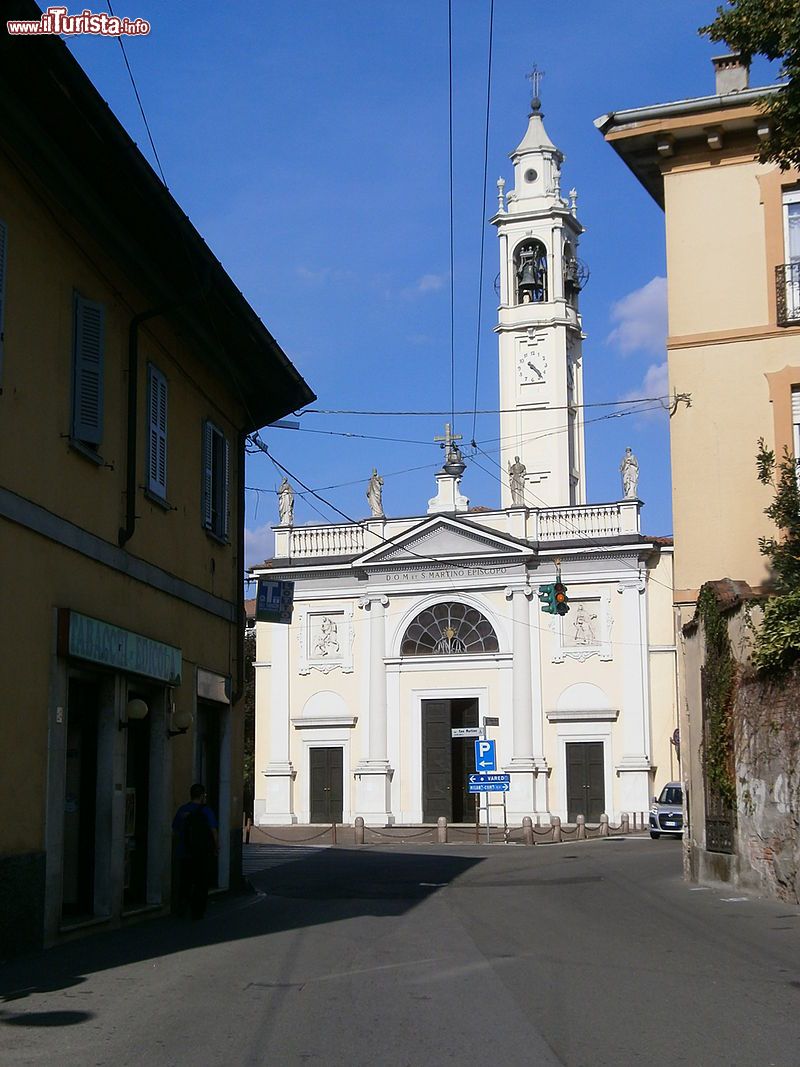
column 449, row 629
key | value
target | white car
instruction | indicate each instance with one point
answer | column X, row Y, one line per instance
column 666, row 814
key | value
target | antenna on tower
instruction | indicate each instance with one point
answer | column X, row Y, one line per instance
column 535, row 78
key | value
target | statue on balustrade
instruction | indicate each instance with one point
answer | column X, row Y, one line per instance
column 375, row 494
column 629, row 469
column 516, row 479
column 286, row 503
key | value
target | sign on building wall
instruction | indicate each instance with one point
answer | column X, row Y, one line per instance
column 99, row 642
column 274, row 601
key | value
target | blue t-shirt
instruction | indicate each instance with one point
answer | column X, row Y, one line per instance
column 180, row 818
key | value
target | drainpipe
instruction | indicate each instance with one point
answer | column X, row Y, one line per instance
column 126, row 531
column 237, row 694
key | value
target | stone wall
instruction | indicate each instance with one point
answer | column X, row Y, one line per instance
column 767, row 751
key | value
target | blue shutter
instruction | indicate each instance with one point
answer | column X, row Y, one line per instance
column 226, row 479
column 207, row 461
column 3, row 247
column 87, row 388
column 156, row 431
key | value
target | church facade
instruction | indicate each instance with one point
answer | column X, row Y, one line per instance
column 408, row 633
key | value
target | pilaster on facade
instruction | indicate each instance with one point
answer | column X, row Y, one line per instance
column 373, row 775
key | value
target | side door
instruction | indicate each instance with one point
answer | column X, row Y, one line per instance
column 327, row 784
column 437, row 761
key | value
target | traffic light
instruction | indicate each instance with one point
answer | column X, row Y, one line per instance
column 547, row 595
column 560, row 598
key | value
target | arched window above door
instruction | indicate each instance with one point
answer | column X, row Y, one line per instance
column 448, row 629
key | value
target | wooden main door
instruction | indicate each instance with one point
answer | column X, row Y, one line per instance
column 327, row 784
column 586, row 794
column 447, row 761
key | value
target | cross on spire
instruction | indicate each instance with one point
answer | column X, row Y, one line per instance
column 535, row 78
column 448, row 438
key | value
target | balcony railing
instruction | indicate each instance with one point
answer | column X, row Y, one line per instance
column 787, row 291
column 579, row 523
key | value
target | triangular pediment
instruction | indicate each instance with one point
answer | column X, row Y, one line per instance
column 442, row 538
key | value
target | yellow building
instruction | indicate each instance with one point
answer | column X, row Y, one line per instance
column 733, row 266
column 131, row 370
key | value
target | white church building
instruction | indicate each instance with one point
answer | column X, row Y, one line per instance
column 407, row 629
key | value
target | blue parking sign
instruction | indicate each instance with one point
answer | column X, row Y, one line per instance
column 485, row 758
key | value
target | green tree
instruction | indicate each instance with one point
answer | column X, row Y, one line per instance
column 768, row 28
column 778, row 640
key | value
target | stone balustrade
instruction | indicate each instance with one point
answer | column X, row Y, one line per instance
column 586, row 522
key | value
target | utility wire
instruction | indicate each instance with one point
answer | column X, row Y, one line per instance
column 483, row 214
column 139, row 101
column 480, row 411
column 452, row 238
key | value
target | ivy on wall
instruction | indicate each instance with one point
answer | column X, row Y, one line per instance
column 719, row 688
column 777, row 644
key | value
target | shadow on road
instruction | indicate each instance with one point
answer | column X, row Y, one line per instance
column 330, row 884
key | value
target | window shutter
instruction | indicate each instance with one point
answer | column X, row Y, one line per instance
column 157, row 432
column 226, row 481
column 87, row 399
column 796, row 404
column 208, row 474
column 3, row 247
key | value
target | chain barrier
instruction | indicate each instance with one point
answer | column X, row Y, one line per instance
column 511, row 835
column 291, row 840
column 400, row 835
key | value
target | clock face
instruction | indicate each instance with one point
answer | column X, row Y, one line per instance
column 531, row 366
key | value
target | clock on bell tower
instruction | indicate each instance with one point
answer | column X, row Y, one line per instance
column 539, row 326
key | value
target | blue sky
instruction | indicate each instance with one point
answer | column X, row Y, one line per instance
column 308, row 143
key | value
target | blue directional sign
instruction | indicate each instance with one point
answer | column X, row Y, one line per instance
column 485, row 758
column 489, row 783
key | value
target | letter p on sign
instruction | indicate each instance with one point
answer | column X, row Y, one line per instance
column 485, row 759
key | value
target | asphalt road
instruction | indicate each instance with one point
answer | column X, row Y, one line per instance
column 584, row 954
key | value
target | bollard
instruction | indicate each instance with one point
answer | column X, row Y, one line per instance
column 581, row 828
column 626, row 823
column 604, row 826
column 555, row 822
column 359, row 830
column 441, row 830
column 527, row 831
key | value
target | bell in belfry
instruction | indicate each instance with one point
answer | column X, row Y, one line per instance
column 527, row 278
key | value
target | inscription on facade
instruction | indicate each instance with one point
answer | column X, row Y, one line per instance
column 445, row 574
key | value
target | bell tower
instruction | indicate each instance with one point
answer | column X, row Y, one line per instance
column 539, row 327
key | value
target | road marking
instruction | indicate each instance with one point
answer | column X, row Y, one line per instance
column 435, row 885
column 730, row 900
column 700, row 889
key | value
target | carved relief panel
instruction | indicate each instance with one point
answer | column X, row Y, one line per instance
column 585, row 630
column 326, row 640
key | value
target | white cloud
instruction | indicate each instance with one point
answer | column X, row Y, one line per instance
column 430, row 283
column 654, row 383
column 321, row 275
column 641, row 319
column 259, row 544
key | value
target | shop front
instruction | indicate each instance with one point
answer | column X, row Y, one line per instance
column 110, row 772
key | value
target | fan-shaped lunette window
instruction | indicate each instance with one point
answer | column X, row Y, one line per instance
column 449, row 629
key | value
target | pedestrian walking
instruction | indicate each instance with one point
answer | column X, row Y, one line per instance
column 195, row 825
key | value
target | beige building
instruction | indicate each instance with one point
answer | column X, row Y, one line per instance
column 412, row 634
column 131, row 369
column 733, row 266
